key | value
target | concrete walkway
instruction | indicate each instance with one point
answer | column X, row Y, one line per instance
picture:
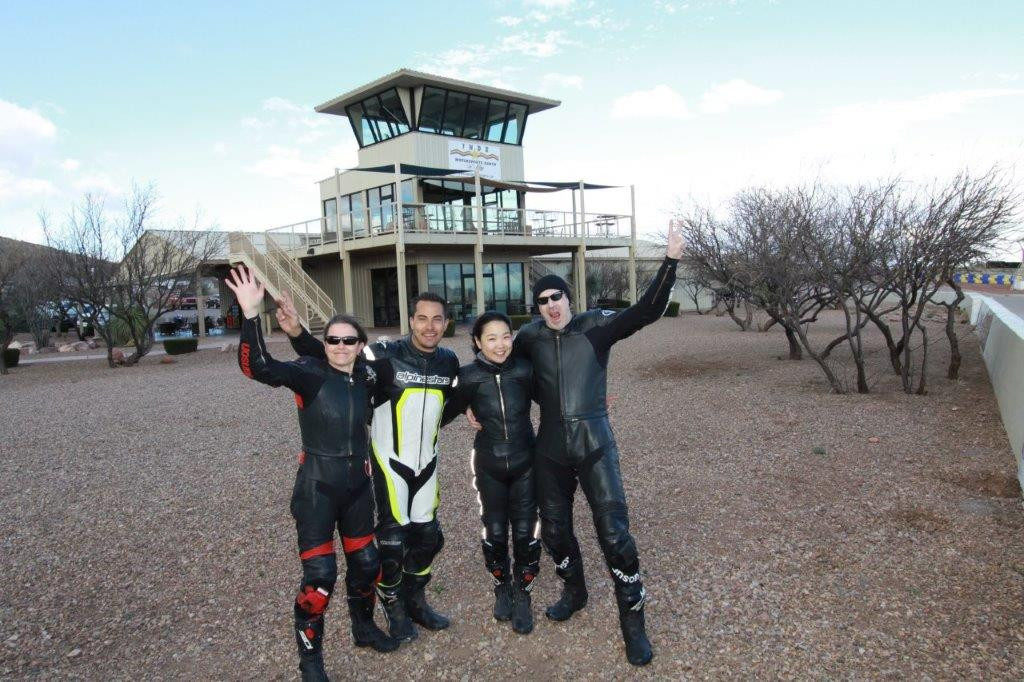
column 100, row 353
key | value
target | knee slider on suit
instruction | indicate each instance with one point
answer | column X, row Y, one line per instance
column 363, row 567
column 424, row 541
column 556, row 532
column 318, row 577
column 391, row 542
column 613, row 534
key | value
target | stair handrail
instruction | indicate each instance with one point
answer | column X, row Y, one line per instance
column 304, row 285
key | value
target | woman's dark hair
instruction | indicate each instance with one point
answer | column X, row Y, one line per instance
column 481, row 322
column 347, row 319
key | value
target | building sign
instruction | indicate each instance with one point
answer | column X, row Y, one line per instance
column 468, row 156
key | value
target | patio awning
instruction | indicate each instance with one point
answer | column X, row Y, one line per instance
column 460, row 176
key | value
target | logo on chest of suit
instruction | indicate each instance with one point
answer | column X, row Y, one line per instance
column 607, row 313
column 417, row 378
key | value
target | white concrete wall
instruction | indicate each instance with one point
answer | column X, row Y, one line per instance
column 1001, row 334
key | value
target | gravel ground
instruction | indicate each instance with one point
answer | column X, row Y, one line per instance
column 784, row 532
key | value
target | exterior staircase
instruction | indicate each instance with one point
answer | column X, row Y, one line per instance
column 538, row 270
column 280, row 272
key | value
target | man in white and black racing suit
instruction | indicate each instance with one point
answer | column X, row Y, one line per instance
column 575, row 445
column 414, row 378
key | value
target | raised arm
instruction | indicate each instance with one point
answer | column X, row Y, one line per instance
column 253, row 358
column 652, row 304
column 302, row 341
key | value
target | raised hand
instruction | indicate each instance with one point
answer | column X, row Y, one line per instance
column 675, row 240
column 287, row 316
column 248, row 291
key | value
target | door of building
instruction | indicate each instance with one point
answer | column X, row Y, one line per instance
column 384, row 289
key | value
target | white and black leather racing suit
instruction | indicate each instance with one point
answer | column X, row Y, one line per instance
column 412, row 387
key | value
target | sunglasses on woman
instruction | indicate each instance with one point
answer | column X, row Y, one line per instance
column 557, row 296
column 347, row 340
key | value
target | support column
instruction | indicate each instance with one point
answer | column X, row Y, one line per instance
column 200, row 305
column 632, row 244
column 478, row 249
column 403, row 300
column 581, row 257
column 343, row 253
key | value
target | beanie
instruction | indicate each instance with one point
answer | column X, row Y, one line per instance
column 549, row 282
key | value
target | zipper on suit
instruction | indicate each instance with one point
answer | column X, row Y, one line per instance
column 351, row 409
column 501, row 401
column 423, row 418
column 558, row 372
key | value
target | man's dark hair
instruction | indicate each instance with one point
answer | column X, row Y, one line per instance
column 432, row 298
column 347, row 319
column 481, row 322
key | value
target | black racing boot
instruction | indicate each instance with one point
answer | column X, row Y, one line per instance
column 527, row 553
column 631, row 600
column 503, row 599
column 399, row 625
column 309, row 638
column 416, row 603
column 496, row 560
column 364, row 631
column 522, row 614
column 574, row 591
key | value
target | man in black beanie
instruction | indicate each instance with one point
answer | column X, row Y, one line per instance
column 575, row 445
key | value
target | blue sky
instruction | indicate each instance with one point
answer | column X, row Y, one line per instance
column 213, row 101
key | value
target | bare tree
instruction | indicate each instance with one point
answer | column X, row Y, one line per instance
column 12, row 259
column 123, row 274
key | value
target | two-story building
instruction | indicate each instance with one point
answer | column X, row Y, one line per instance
column 439, row 202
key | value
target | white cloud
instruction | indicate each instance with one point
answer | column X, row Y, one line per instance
column 70, row 164
column 19, row 189
column 99, row 183
column 220, row 149
column 660, row 101
column 511, row 22
column 551, row 4
column 562, row 80
column 735, row 94
column 281, row 104
column 18, row 123
column 522, row 43
column 302, row 167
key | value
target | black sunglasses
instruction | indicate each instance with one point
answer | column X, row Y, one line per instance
column 557, row 296
column 347, row 340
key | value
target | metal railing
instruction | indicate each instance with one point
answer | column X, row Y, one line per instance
column 449, row 219
column 279, row 272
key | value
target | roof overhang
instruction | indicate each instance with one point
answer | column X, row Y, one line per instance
column 407, row 78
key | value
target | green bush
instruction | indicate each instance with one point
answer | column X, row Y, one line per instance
column 672, row 310
column 449, row 331
column 12, row 356
column 121, row 332
column 519, row 320
column 181, row 346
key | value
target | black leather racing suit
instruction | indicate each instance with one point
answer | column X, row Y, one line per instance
column 412, row 387
column 575, row 441
column 502, row 461
column 332, row 486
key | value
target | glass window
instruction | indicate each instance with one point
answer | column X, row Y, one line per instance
column 515, row 282
column 500, row 281
column 496, row 120
column 373, row 113
column 360, row 126
column 476, row 114
column 358, row 212
column 373, row 201
column 453, row 283
column 454, row 114
column 331, row 214
column 469, row 285
column 435, row 279
column 391, row 105
column 408, row 196
column 432, row 110
column 516, row 123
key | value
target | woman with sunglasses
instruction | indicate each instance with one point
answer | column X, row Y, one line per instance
column 497, row 388
column 333, row 486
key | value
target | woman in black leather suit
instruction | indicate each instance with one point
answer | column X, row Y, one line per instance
column 497, row 387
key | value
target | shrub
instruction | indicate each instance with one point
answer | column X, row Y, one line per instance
column 181, row 346
column 12, row 356
column 672, row 310
column 449, row 331
column 519, row 320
